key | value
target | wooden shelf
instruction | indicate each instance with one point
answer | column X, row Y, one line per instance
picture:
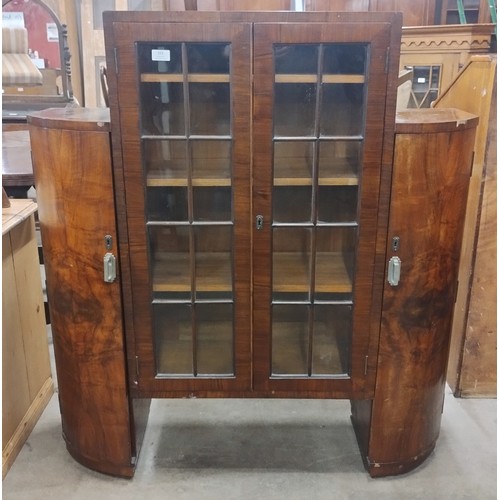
column 174, row 175
column 210, row 173
column 179, row 78
column 290, row 358
column 214, row 355
column 295, row 172
column 310, row 78
column 171, row 272
column 291, row 273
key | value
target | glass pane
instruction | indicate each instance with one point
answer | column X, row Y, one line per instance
column 296, row 59
column 337, row 204
column 293, row 162
column 162, row 109
column 162, row 93
column 339, row 162
column 173, row 339
column 165, row 162
column 214, row 266
column 211, row 162
column 435, row 72
column 331, row 339
column 212, row 204
column 170, row 262
column 159, row 58
column 344, row 59
column 342, row 107
column 291, row 262
column 290, row 339
column 167, row 204
column 294, row 109
column 292, row 204
column 210, row 108
column 429, row 99
column 335, row 257
column 208, row 57
column 214, row 344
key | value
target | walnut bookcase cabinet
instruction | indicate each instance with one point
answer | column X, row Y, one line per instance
column 245, row 194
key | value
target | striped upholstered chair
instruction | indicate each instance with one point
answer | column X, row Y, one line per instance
column 17, row 67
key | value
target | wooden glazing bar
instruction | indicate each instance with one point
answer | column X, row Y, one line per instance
column 343, row 79
column 301, row 78
column 162, row 78
column 179, row 78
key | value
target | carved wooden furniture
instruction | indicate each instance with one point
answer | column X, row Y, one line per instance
column 472, row 363
column 251, row 240
column 437, row 54
column 51, row 52
column 26, row 374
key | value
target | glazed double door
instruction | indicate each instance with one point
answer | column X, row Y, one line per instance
column 251, row 156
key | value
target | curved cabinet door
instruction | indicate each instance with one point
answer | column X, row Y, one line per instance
column 432, row 165
column 74, row 188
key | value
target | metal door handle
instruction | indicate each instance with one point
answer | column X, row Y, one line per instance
column 394, row 271
column 109, row 268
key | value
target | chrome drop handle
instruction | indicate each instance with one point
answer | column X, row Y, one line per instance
column 394, row 271
column 109, row 268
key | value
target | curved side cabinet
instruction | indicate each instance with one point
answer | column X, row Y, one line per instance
column 73, row 178
column 432, row 163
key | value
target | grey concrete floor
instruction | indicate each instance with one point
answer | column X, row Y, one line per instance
column 261, row 449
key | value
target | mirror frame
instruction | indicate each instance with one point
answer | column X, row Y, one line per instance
column 17, row 107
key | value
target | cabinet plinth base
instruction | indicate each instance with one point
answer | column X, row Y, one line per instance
column 117, row 470
column 379, row 469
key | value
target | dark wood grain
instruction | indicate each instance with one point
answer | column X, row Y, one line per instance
column 72, row 164
column 429, row 188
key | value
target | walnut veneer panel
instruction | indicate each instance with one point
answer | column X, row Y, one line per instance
column 76, row 210
column 430, row 180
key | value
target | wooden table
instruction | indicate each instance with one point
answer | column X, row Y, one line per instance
column 26, row 374
column 17, row 168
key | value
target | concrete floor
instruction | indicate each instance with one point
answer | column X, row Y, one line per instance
column 261, row 449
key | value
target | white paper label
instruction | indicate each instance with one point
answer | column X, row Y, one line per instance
column 52, row 32
column 160, row 55
column 12, row 19
column 420, row 80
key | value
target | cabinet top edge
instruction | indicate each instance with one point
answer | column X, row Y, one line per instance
column 250, row 16
column 89, row 119
column 418, row 121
